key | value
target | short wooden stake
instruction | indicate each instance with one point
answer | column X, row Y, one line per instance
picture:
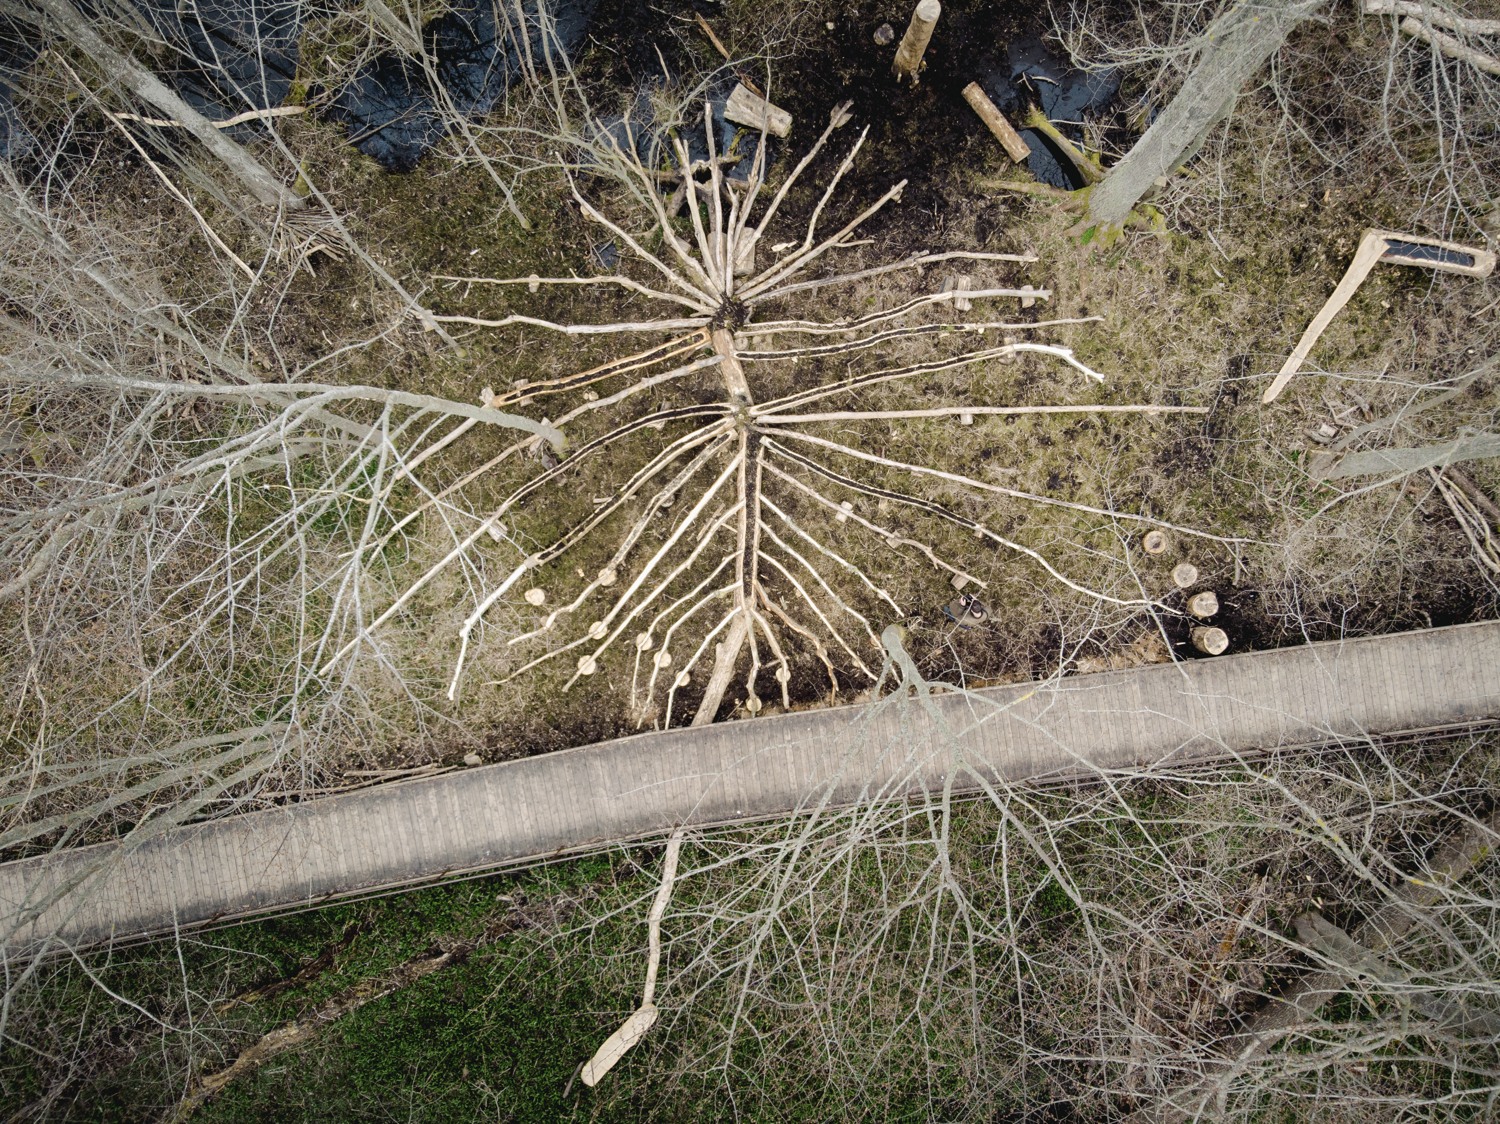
column 1184, row 574
column 1154, row 542
column 959, row 283
column 1210, row 641
column 1016, row 148
column 914, row 43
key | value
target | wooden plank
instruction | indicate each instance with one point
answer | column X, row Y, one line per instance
column 524, row 811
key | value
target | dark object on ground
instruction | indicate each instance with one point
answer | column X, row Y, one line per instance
column 606, row 255
column 395, row 112
column 234, row 54
column 1396, row 250
column 641, row 133
column 17, row 50
column 1034, row 74
column 966, row 612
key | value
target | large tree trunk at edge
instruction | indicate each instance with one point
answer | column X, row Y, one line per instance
column 1235, row 47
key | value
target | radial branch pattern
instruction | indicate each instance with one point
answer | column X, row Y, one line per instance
column 720, row 567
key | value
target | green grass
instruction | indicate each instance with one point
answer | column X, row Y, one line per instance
column 853, row 1013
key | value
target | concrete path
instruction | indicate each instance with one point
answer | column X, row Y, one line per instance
column 522, row 811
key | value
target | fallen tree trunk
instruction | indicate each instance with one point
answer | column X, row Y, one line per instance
column 61, row 18
column 1474, row 446
column 1235, row 47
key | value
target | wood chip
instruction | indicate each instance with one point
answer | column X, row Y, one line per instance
column 745, row 108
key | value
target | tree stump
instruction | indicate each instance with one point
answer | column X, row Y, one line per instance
column 1210, row 641
column 914, row 43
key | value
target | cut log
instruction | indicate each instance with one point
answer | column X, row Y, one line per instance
column 1210, row 641
column 754, row 112
column 1204, row 605
column 914, row 43
column 1015, row 147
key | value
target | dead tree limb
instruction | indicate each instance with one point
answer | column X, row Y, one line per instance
column 1448, row 45
column 1294, row 1011
column 64, row 20
column 1431, row 13
column 1355, row 961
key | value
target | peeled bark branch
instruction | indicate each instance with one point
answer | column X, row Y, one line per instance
column 1431, row 14
column 1451, row 46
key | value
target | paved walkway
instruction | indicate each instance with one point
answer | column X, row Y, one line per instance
column 521, row 811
